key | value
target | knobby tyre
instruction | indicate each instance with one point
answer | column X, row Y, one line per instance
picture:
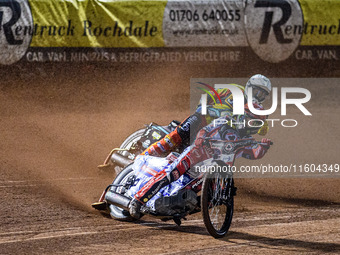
column 128, row 142
column 217, row 204
column 115, row 211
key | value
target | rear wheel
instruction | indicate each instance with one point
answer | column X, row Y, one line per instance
column 217, row 203
column 127, row 144
column 115, row 211
column 131, row 140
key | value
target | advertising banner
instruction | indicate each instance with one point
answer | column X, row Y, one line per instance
column 159, row 31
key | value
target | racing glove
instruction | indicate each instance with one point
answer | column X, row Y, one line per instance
column 266, row 143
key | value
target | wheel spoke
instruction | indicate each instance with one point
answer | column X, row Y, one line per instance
column 217, row 210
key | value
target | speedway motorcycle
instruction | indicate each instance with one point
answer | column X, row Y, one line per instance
column 198, row 190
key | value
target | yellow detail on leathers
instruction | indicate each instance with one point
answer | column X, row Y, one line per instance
column 264, row 129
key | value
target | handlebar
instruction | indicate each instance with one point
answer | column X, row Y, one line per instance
column 209, row 139
column 231, row 145
column 271, row 143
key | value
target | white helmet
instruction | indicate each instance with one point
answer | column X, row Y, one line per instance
column 261, row 87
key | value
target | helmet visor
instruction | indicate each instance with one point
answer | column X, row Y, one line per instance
column 259, row 94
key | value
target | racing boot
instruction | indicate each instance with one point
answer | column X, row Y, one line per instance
column 134, row 208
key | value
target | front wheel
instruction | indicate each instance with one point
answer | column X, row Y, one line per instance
column 217, row 203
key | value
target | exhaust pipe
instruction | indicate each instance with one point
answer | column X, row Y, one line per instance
column 120, row 160
column 116, row 159
column 116, row 199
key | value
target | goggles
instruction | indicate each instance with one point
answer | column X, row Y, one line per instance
column 259, row 94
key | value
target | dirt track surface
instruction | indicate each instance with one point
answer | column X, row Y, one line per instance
column 39, row 226
column 56, row 129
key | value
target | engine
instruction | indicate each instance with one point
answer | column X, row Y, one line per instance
column 182, row 201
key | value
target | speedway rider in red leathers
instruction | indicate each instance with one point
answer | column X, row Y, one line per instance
column 225, row 126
